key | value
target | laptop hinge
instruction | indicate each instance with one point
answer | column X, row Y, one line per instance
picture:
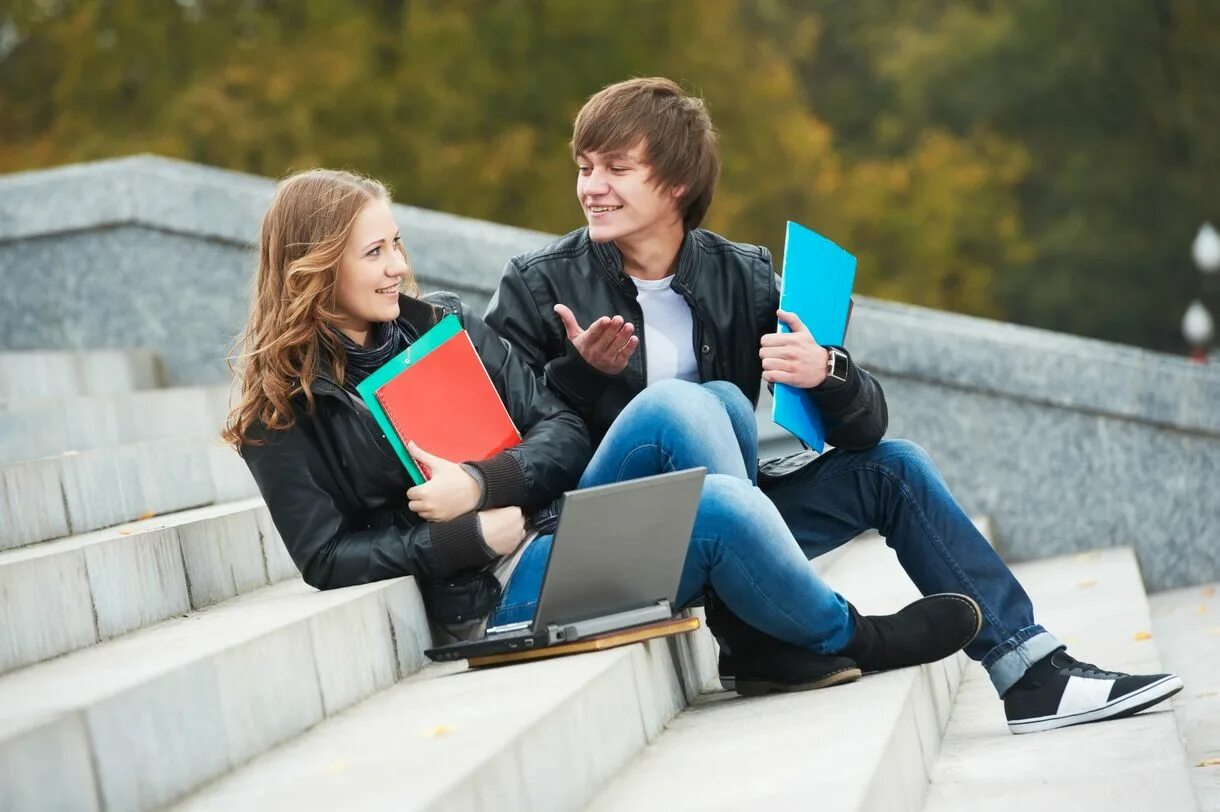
column 567, row 632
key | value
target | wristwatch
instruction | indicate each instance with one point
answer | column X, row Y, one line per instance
column 836, row 365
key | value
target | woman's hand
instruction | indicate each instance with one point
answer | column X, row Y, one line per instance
column 503, row 528
column 449, row 491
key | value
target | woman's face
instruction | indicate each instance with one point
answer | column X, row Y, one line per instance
column 370, row 270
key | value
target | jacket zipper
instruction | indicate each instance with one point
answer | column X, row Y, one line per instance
column 699, row 317
column 634, row 304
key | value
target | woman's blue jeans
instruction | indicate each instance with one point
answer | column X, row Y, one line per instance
column 740, row 545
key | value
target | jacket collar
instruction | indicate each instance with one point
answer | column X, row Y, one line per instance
column 610, row 258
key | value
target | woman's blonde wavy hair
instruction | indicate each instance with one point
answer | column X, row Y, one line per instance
column 292, row 302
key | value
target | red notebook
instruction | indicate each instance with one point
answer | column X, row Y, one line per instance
column 446, row 403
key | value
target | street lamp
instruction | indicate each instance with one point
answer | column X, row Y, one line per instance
column 1197, row 326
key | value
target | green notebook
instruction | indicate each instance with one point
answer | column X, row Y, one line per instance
column 444, row 330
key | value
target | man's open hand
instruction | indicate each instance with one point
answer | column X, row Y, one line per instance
column 606, row 345
column 793, row 358
column 449, row 491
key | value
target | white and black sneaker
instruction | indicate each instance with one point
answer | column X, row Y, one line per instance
column 1059, row 690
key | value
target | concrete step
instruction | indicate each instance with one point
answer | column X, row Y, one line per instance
column 136, row 722
column 75, row 493
column 59, row 596
column 1186, row 625
column 45, row 427
column 1095, row 603
column 536, row 736
column 26, row 374
column 867, row 745
column 541, row 735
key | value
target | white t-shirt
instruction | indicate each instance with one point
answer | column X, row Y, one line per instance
column 669, row 330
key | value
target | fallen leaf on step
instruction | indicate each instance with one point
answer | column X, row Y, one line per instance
column 148, row 514
column 126, row 532
column 337, row 767
column 1143, row 636
column 1208, row 591
column 1211, row 762
column 436, row 732
column 1088, row 583
column 1202, row 608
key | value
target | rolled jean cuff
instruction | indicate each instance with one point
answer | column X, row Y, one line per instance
column 1008, row 662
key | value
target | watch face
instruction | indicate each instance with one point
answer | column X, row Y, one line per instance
column 838, row 367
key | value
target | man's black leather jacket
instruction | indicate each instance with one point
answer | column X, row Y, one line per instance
column 732, row 292
column 337, row 492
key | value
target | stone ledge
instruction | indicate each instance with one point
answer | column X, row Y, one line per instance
column 77, row 492
column 1040, row 366
column 59, row 596
column 1096, row 604
column 226, row 206
column 165, row 709
column 38, row 374
column 46, row 427
column 880, row 735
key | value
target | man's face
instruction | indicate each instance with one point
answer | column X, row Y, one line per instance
column 619, row 199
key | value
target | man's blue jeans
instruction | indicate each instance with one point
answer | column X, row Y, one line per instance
column 894, row 488
column 758, row 564
column 740, row 545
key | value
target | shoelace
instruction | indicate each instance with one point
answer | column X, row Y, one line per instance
column 1089, row 667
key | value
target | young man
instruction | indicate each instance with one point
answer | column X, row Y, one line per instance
column 642, row 294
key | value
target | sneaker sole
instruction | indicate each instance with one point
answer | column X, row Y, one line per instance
column 753, row 687
column 1128, row 705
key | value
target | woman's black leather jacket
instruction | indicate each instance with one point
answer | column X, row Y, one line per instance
column 336, row 491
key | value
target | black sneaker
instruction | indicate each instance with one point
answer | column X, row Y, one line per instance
column 1059, row 690
column 753, row 663
column 925, row 631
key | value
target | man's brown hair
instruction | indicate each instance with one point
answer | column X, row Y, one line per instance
column 677, row 133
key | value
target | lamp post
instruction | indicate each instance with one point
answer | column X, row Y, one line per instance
column 1198, row 327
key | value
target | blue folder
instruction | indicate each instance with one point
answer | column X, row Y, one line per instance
column 816, row 286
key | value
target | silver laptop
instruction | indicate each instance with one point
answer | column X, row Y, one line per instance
column 615, row 563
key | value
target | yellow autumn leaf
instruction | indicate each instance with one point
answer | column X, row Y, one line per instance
column 1143, row 635
column 1088, row 583
column 148, row 514
column 1202, row 608
column 1211, row 762
column 435, row 732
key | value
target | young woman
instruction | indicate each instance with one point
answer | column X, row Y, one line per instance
column 327, row 310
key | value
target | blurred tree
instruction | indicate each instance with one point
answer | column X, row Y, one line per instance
column 1023, row 160
column 1115, row 104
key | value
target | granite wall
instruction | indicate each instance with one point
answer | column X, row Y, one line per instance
column 1066, row 444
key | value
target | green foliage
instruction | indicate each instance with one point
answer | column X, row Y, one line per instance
column 1030, row 160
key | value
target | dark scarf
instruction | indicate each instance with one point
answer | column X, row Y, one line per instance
column 389, row 339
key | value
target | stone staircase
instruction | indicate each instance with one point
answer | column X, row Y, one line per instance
column 158, row 648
